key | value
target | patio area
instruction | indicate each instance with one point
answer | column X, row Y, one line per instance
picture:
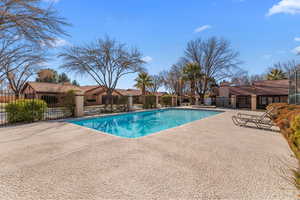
column 206, row 159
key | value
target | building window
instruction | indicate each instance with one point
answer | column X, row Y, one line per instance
column 91, row 100
column 284, row 99
column 263, row 100
column 50, row 99
column 276, row 100
column 106, row 99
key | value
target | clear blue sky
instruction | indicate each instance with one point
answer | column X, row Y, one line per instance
column 263, row 31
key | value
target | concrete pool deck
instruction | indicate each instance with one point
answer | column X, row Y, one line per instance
column 206, row 159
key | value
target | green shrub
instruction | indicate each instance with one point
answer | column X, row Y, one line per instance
column 150, row 102
column 25, row 110
column 166, row 100
column 287, row 118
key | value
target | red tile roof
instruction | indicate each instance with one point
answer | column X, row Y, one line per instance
column 41, row 87
column 129, row 92
column 135, row 92
column 95, row 89
column 266, row 87
column 160, row 93
column 89, row 87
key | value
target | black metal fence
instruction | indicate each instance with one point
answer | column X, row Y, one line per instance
column 223, row 102
column 28, row 106
column 294, row 88
column 120, row 104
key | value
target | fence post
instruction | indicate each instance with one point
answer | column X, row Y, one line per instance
column 173, row 101
column 79, row 105
column 180, row 100
column 130, row 101
column 253, row 102
column 233, row 101
column 197, row 100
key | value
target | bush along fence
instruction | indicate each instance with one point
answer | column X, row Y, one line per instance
column 29, row 107
column 287, row 118
column 25, row 110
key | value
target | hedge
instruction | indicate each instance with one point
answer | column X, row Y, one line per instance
column 287, row 118
column 25, row 110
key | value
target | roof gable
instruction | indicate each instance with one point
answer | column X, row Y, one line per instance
column 41, row 87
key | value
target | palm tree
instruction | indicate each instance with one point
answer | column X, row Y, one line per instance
column 276, row 74
column 143, row 81
column 191, row 72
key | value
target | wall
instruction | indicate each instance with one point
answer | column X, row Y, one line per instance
column 224, row 92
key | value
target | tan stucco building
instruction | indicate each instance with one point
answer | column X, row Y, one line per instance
column 258, row 95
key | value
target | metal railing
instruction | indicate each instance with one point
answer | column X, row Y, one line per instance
column 30, row 107
column 294, row 87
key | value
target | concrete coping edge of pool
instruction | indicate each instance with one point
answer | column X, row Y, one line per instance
column 137, row 111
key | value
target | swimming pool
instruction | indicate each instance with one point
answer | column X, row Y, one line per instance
column 139, row 124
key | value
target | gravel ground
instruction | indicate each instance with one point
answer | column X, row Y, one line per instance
column 206, row 159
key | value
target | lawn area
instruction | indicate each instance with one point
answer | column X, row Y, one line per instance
column 206, row 159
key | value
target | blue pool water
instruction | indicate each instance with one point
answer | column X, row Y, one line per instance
column 134, row 125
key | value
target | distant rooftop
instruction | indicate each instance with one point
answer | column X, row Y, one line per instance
column 43, row 87
column 265, row 87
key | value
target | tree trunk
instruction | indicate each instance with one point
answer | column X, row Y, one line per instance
column 192, row 92
column 143, row 94
column 111, row 103
column 110, row 100
column 17, row 94
column 202, row 95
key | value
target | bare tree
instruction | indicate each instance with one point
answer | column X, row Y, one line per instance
column 28, row 19
column 288, row 66
column 6, row 52
column 241, row 78
column 19, row 68
column 257, row 77
column 172, row 79
column 105, row 61
column 11, row 50
column 216, row 58
column 285, row 68
column 157, row 82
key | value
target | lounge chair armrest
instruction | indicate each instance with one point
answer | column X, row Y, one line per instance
column 248, row 115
